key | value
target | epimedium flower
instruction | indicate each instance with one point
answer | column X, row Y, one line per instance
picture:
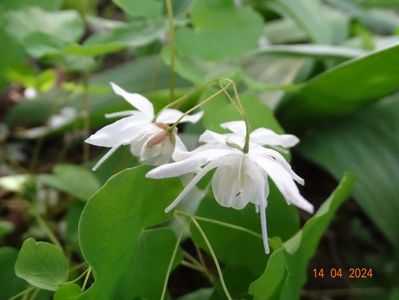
column 148, row 135
column 240, row 178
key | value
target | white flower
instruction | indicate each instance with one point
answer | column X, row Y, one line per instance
column 149, row 139
column 240, row 177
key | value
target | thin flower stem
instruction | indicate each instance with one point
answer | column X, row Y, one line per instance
column 34, row 294
column 182, row 98
column 231, row 99
column 219, row 270
column 28, row 290
column 86, row 279
column 192, row 266
column 169, row 9
column 172, row 259
column 171, row 128
column 46, row 229
column 221, row 223
column 80, row 276
column 243, row 114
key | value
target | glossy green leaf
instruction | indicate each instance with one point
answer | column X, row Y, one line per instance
column 221, row 30
column 69, row 291
column 114, row 221
column 370, row 149
column 144, row 8
column 344, row 88
column 10, row 284
column 42, row 265
column 72, row 179
column 285, row 272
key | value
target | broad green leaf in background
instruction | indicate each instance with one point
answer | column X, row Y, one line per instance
column 10, row 284
column 30, row 26
column 142, row 8
column 343, row 89
column 42, row 265
column 220, row 110
column 67, row 26
column 309, row 15
column 113, row 240
column 285, row 272
column 221, row 30
column 369, row 148
column 7, row 5
column 382, row 21
column 72, row 179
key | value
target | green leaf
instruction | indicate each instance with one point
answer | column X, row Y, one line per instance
column 201, row 294
column 42, row 265
column 6, row 5
column 221, row 30
column 10, row 284
column 72, row 179
column 114, row 221
column 69, row 291
column 143, row 8
column 370, row 149
column 220, row 110
column 66, row 26
column 344, row 88
column 285, row 272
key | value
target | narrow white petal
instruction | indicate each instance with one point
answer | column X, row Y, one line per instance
column 190, row 185
column 280, row 159
column 119, row 132
column 284, row 183
column 189, row 165
column 124, row 113
column 169, row 116
column 265, row 136
column 262, row 208
column 138, row 101
column 238, row 127
column 105, row 157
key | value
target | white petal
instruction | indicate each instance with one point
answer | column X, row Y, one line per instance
column 190, row 185
column 124, row 113
column 136, row 100
column 279, row 158
column 284, row 183
column 262, row 208
column 189, row 165
column 238, row 127
column 181, row 151
column 172, row 115
column 265, row 136
column 212, row 137
column 121, row 132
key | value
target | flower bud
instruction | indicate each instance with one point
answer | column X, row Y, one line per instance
column 156, row 146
